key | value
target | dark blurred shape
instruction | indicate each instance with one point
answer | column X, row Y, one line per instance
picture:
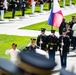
column 8, row 68
column 35, row 63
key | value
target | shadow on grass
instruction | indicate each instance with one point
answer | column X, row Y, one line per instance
column 8, row 17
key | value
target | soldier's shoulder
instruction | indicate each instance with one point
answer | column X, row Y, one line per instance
column 26, row 47
column 60, row 36
column 37, row 47
column 67, row 36
column 39, row 35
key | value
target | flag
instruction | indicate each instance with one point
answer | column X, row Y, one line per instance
column 56, row 15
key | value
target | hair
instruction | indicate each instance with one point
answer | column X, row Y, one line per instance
column 14, row 44
column 68, row 23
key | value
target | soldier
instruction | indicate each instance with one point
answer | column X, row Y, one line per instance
column 14, row 6
column 62, row 26
column 32, row 47
column 33, row 6
column 13, row 52
column 3, row 5
column 64, row 3
column 42, row 40
column 72, row 22
column 64, row 43
column 52, row 44
column 23, row 7
column 50, row 1
column 41, row 5
column 70, row 2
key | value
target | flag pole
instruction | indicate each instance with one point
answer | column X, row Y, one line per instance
column 51, row 27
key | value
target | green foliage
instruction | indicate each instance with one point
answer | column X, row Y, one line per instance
column 7, row 40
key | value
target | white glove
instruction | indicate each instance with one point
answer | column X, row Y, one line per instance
column 41, row 42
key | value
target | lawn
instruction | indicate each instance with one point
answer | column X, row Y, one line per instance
column 67, row 2
column 8, row 14
column 7, row 40
column 44, row 24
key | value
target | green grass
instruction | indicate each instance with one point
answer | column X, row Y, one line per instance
column 67, row 2
column 28, row 10
column 44, row 24
column 8, row 14
column 7, row 40
column 38, row 26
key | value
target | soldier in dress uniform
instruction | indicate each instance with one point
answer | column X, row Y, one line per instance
column 52, row 44
column 42, row 40
column 3, row 5
column 50, row 2
column 64, row 43
column 14, row 6
column 32, row 47
column 23, row 5
column 41, row 5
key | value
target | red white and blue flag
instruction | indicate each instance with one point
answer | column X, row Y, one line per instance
column 56, row 15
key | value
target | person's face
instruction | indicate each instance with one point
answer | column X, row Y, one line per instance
column 33, row 42
column 14, row 47
column 52, row 33
column 43, row 32
column 64, row 33
column 67, row 25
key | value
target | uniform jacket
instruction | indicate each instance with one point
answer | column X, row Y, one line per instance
column 52, row 42
column 66, row 43
column 43, row 38
column 31, row 48
column 70, row 34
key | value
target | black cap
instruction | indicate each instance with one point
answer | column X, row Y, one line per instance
column 14, row 44
column 52, row 31
column 8, row 67
column 36, row 63
column 43, row 29
column 64, row 30
column 65, row 72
